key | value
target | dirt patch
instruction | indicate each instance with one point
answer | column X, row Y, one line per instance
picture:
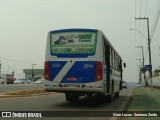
column 26, row 92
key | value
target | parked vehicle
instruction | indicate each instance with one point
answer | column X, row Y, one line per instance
column 29, row 81
column 40, row 81
column 139, row 85
column 10, row 80
column 124, row 84
column 21, row 81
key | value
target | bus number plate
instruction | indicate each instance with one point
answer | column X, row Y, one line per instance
column 88, row 65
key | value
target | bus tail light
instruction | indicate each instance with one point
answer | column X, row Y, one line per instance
column 46, row 71
column 99, row 71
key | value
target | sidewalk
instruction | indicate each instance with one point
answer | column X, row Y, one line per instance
column 145, row 99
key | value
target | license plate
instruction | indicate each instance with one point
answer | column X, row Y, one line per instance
column 72, row 78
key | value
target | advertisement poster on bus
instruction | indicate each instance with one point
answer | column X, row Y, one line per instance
column 73, row 42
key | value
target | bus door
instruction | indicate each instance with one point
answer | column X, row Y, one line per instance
column 107, row 61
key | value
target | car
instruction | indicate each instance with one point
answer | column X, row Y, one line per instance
column 29, row 81
column 10, row 80
column 139, row 85
column 124, row 84
column 21, row 81
column 40, row 81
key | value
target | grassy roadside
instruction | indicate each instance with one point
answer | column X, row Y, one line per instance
column 145, row 99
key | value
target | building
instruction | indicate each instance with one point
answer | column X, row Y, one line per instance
column 37, row 73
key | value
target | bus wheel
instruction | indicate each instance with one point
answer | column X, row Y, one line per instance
column 110, row 98
column 117, row 94
column 89, row 94
column 71, row 97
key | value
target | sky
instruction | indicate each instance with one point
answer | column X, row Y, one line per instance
column 24, row 25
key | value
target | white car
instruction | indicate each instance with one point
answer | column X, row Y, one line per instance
column 124, row 84
column 21, row 81
column 139, row 85
column 40, row 81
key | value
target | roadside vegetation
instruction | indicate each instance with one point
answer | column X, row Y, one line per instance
column 25, row 92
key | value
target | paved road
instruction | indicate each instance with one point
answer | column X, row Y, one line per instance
column 57, row 102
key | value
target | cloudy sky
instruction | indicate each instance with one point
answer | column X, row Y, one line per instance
column 24, row 25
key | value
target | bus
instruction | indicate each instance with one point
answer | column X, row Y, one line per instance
column 82, row 62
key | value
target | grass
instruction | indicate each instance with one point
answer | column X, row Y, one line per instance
column 145, row 100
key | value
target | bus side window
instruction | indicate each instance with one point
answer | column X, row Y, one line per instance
column 120, row 65
column 104, row 52
column 116, row 61
column 111, row 57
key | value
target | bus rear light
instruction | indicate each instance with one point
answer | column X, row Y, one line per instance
column 46, row 71
column 78, row 86
column 99, row 72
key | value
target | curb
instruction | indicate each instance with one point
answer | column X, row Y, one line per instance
column 129, row 101
column 124, row 107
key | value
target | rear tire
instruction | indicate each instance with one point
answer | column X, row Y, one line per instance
column 89, row 94
column 117, row 94
column 72, row 97
column 110, row 98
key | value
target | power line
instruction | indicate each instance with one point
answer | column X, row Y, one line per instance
column 146, row 8
column 13, row 60
column 140, row 7
column 155, row 21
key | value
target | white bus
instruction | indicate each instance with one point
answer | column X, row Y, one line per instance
column 82, row 62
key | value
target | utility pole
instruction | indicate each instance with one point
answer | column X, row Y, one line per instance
column 149, row 48
column 140, row 71
column 142, row 54
column 143, row 63
column 0, row 67
column 32, row 70
column 140, row 76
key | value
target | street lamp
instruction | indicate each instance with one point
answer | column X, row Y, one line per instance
column 139, row 33
column 32, row 69
column 140, row 62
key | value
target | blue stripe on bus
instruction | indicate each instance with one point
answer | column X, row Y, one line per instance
column 80, row 74
column 74, row 30
column 55, row 67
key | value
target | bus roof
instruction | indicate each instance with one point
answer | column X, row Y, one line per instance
column 75, row 29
